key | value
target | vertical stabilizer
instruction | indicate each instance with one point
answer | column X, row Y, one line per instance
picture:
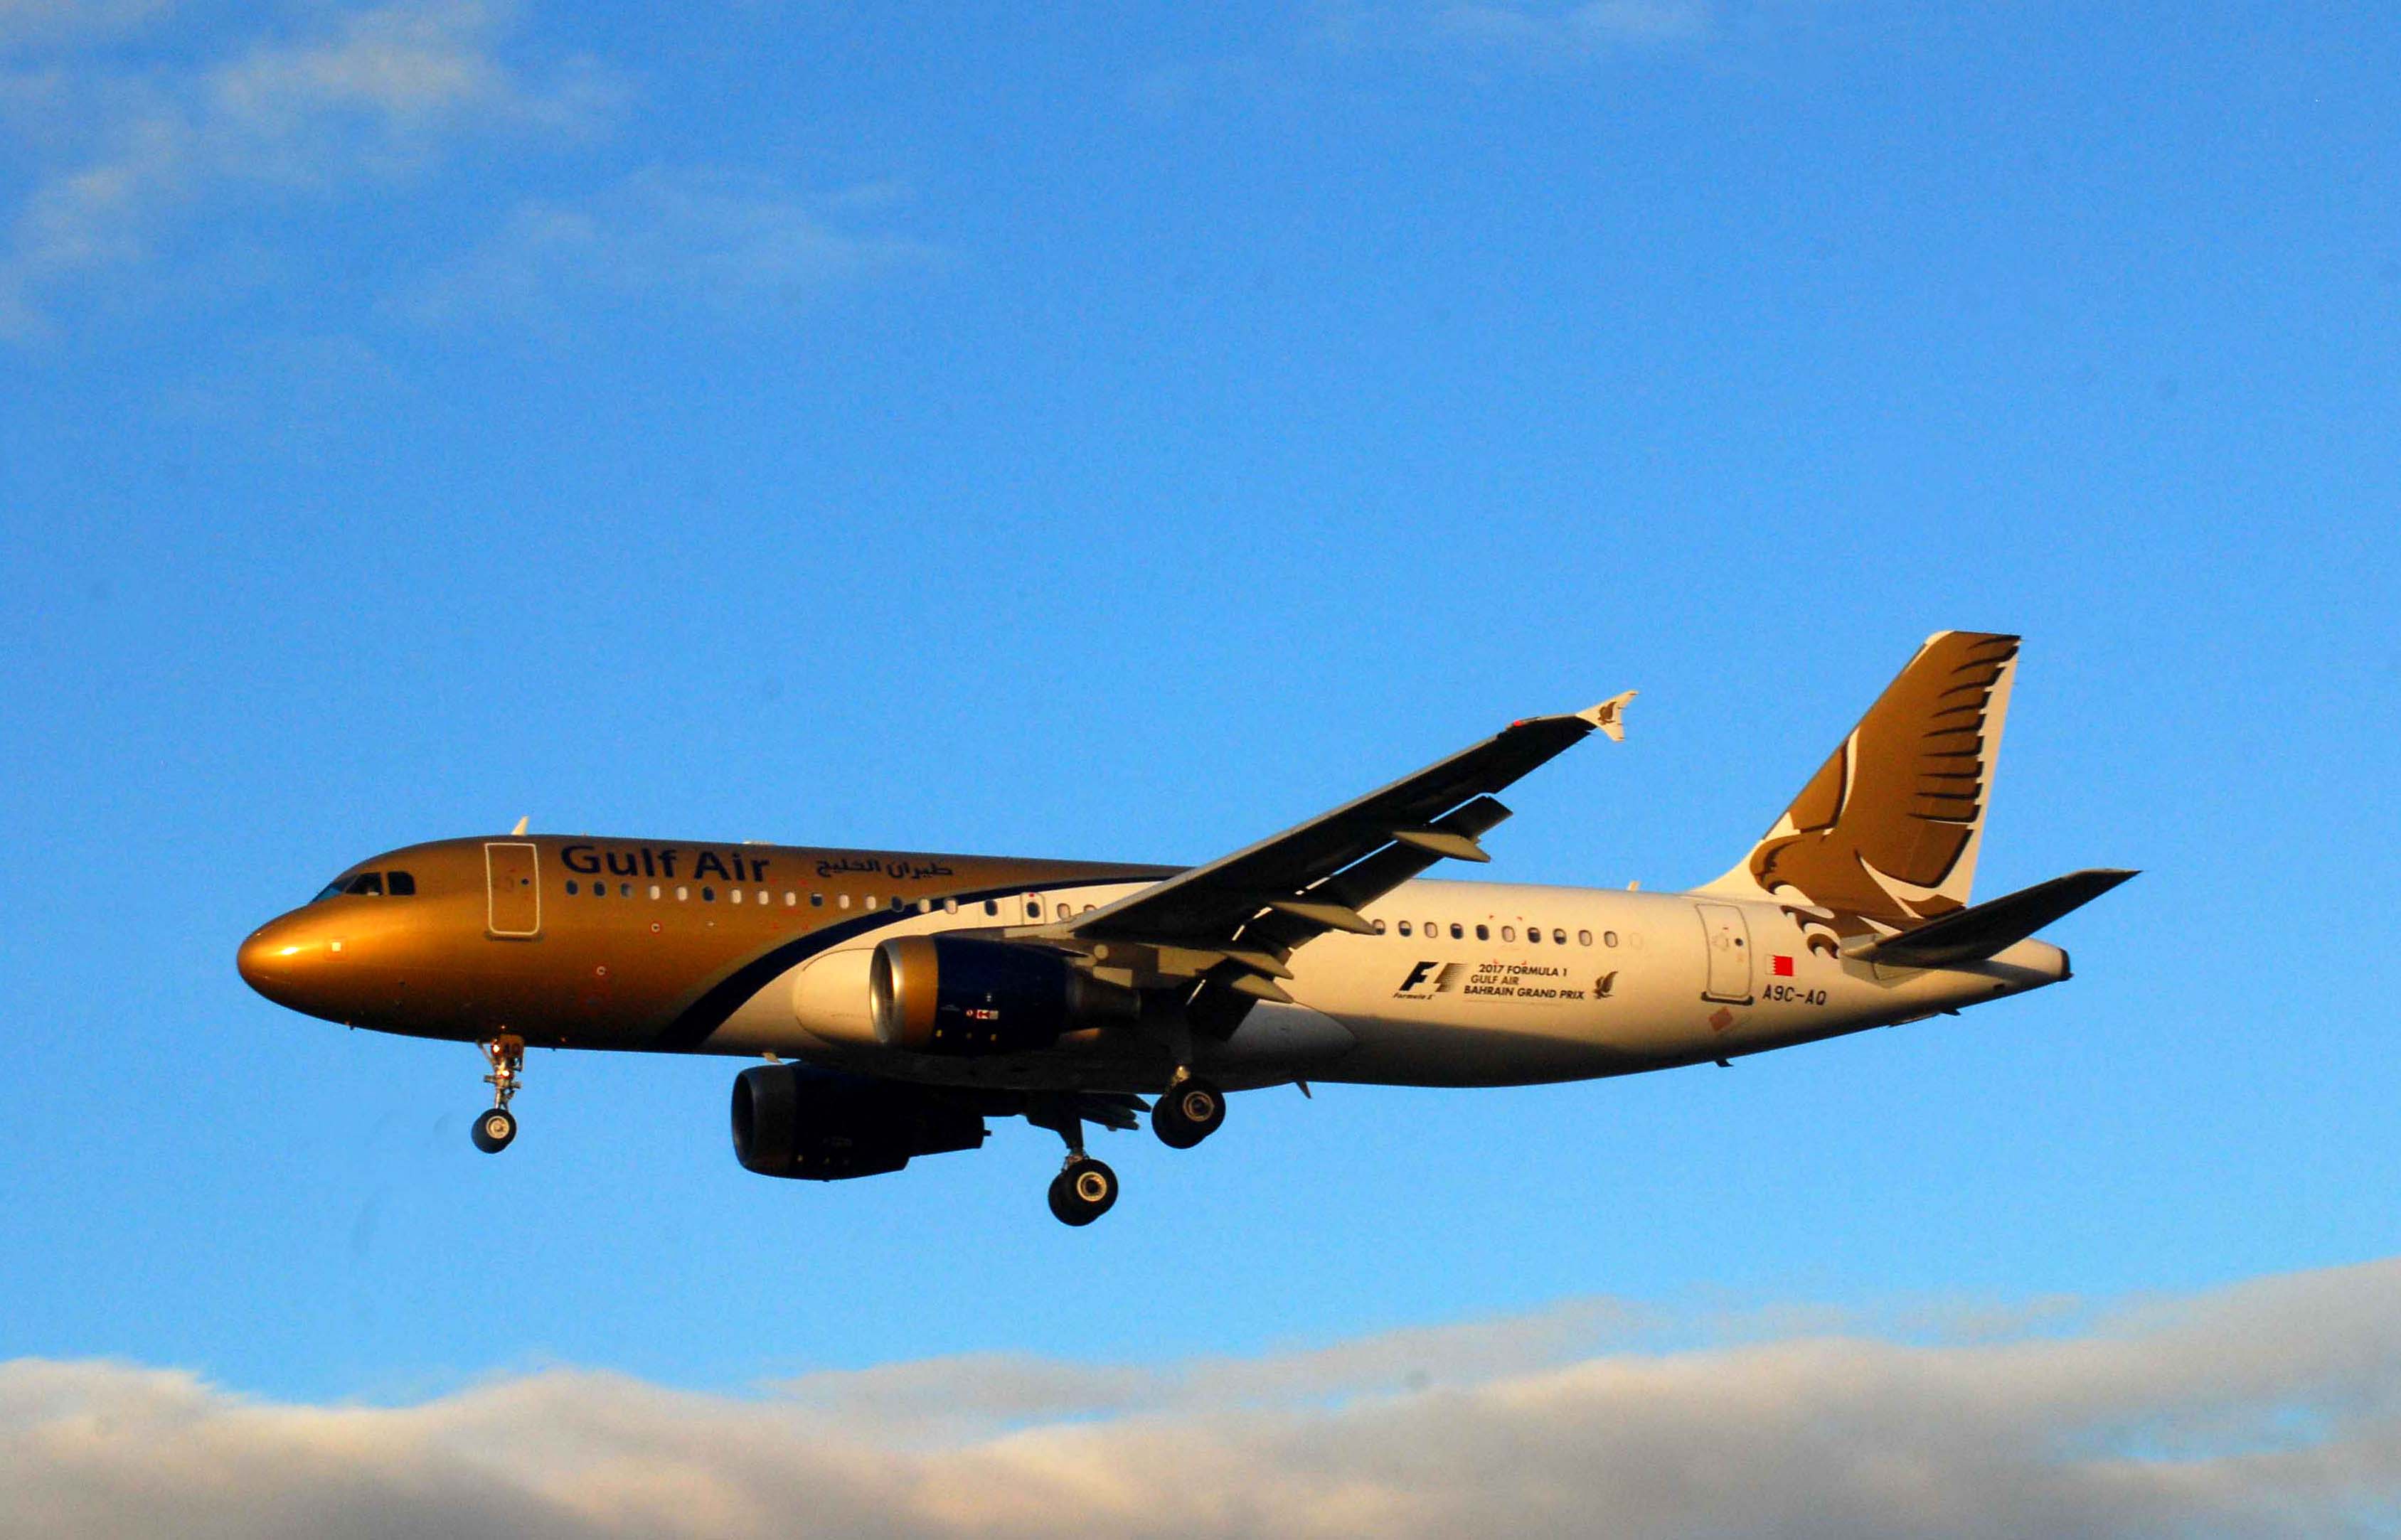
column 1884, row 836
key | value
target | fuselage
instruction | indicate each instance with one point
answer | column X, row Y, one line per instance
column 751, row 950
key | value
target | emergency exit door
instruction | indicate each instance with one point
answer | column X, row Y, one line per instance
column 1729, row 943
column 513, row 889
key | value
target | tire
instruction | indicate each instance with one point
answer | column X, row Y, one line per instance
column 494, row 1129
column 1188, row 1113
column 1082, row 1192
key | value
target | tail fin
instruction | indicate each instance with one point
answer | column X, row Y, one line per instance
column 1884, row 836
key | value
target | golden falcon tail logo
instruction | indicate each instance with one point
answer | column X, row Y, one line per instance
column 1884, row 835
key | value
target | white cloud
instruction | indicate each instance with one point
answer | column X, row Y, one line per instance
column 2269, row 1408
column 1535, row 31
column 1585, row 27
column 370, row 95
column 49, row 23
column 717, row 240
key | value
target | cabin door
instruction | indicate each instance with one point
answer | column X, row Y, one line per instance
column 513, row 888
column 1729, row 942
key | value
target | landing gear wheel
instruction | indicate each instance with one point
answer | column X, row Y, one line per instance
column 1190, row 1112
column 1083, row 1192
column 494, row 1130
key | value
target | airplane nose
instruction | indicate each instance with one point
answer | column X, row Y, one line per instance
column 270, row 959
column 256, row 958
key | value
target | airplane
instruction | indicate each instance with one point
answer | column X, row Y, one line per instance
column 900, row 999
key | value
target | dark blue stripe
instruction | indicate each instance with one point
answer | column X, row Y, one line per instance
column 693, row 1025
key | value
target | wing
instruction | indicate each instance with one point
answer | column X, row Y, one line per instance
column 1228, row 928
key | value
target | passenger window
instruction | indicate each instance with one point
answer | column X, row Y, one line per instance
column 992, row 907
column 1482, row 933
column 843, row 901
column 399, row 884
column 735, row 894
column 1034, row 908
column 1458, row 932
column 571, row 888
column 790, row 898
column 1559, row 938
column 1380, row 927
column 708, row 895
column 1508, row 932
column 1404, row 927
column 682, row 895
column 366, row 882
column 760, row 897
column 1533, row 932
column 1066, row 910
column 599, row 890
column 949, row 906
column 898, row 903
column 1609, row 938
column 816, row 901
column 624, row 890
column 654, row 893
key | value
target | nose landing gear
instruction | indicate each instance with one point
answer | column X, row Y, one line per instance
column 496, row 1128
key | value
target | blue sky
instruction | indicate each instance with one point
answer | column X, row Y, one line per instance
column 1120, row 435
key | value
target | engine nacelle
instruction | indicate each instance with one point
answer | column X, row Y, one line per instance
column 792, row 1121
column 964, row 995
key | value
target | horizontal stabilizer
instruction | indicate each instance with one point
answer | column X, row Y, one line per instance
column 1975, row 934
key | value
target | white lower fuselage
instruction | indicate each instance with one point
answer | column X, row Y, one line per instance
column 1640, row 981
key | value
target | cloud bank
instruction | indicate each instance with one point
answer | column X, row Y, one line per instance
column 2268, row 1408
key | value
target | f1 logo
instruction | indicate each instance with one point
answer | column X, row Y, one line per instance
column 1430, row 978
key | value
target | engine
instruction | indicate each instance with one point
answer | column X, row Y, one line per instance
column 791, row 1120
column 962, row 995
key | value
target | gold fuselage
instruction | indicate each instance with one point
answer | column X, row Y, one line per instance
column 624, row 944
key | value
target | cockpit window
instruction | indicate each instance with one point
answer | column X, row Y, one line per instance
column 370, row 883
column 399, row 884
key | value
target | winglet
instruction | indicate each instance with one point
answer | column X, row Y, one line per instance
column 1609, row 716
column 520, row 828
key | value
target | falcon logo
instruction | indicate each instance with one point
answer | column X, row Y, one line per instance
column 1427, row 979
column 1604, row 985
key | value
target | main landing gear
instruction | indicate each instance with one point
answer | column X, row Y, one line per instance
column 1084, row 1189
column 1190, row 1112
column 496, row 1128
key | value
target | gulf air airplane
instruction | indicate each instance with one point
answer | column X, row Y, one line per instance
column 901, row 999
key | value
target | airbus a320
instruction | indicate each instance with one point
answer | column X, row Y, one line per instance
column 901, row 998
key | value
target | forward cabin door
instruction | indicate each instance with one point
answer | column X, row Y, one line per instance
column 513, row 888
column 1729, row 943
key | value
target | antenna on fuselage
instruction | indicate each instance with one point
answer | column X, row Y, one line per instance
column 520, row 828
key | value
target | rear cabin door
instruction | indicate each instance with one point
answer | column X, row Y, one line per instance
column 513, row 888
column 1729, row 943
